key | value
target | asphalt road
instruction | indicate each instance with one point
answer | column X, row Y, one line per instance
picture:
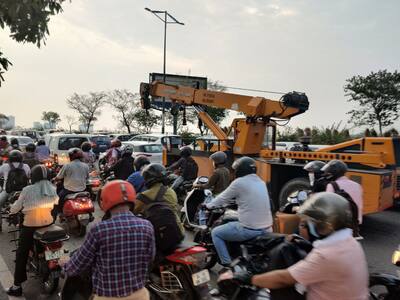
column 380, row 231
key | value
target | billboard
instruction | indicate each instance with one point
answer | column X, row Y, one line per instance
column 192, row 81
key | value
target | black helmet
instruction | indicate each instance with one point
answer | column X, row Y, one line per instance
column 15, row 156
column 75, row 153
column 127, row 151
column 335, row 169
column 14, row 142
column 30, row 147
column 41, row 143
column 4, row 138
column 154, row 173
column 244, row 166
column 86, row 146
column 186, row 151
column 38, row 173
column 314, row 166
column 141, row 161
column 219, row 157
column 327, row 209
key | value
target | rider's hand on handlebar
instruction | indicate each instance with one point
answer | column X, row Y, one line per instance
column 243, row 277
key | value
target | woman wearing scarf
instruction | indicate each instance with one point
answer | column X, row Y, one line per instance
column 36, row 203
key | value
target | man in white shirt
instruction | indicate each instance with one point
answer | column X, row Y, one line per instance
column 250, row 193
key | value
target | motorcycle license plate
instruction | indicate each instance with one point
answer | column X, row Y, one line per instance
column 51, row 255
column 201, row 277
column 83, row 217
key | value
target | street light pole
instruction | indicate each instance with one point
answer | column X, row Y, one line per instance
column 157, row 13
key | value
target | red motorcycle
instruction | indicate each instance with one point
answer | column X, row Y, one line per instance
column 181, row 275
column 77, row 213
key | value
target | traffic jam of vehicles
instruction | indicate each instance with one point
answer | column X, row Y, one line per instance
column 232, row 216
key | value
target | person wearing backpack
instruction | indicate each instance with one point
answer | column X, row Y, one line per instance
column 114, row 153
column 335, row 171
column 136, row 178
column 159, row 205
column 186, row 166
column 16, row 175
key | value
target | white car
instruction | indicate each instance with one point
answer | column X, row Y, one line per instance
column 152, row 151
column 60, row 143
column 22, row 140
column 175, row 141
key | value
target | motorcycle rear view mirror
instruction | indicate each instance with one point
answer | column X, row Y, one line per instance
column 396, row 258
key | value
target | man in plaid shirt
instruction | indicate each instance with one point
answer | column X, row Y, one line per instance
column 118, row 250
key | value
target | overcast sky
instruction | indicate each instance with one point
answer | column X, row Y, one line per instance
column 279, row 45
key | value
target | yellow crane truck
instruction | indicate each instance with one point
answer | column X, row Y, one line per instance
column 374, row 162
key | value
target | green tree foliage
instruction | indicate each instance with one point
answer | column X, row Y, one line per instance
column 144, row 121
column 51, row 117
column 126, row 105
column 27, row 21
column 87, row 106
column 377, row 96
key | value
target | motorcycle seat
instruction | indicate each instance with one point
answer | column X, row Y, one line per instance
column 78, row 195
column 50, row 234
column 184, row 245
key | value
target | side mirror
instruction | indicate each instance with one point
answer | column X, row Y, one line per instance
column 396, row 258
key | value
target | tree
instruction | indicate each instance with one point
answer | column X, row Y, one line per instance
column 378, row 97
column 52, row 117
column 217, row 114
column 71, row 120
column 27, row 21
column 87, row 106
column 125, row 103
column 144, row 120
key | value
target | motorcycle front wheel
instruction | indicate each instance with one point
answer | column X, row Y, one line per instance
column 50, row 283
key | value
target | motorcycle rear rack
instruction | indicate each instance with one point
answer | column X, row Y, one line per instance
column 159, row 289
column 171, row 282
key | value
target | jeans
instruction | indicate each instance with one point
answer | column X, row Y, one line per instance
column 3, row 198
column 178, row 181
column 233, row 232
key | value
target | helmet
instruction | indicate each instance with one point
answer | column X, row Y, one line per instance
column 86, row 146
column 15, row 156
column 219, row 157
column 154, row 173
column 115, row 143
column 335, row 169
column 4, row 138
column 244, row 166
column 30, row 147
column 327, row 209
column 186, row 151
column 127, row 151
column 41, row 143
column 141, row 161
column 314, row 166
column 75, row 153
column 14, row 142
column 116, row 192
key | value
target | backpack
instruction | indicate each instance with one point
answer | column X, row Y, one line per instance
column 353, row 207
column 17, row 178
column 166, row 229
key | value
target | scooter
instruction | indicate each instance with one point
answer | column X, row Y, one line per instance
column 390, row 283
column 77, row 213
column 6, row 207
column 182, row 190
column 44, row 257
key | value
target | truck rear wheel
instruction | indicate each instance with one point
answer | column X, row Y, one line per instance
column 291, row 187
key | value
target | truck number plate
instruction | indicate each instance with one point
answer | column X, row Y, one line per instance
column 50, row 255
column 201, row 277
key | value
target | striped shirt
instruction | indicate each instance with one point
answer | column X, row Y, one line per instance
column 119, row 252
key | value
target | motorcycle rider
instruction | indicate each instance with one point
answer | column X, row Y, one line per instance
column 88, row 156
column 186, row 166
column 336, row 261
column 3, row 143
column 124, row 166
column 136, row 178
column 114, row 153
column 75, row 174
column 36, row 202
column 316, row 176
column 14, row 145
column 29, row 157
column 14, row 162
column 220, row 179
column 118, row 250
column 335, row 171
column 42, row 151
column 250, row 193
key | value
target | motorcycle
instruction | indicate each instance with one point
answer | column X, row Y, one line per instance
column 6, row 207
column 183, row 189
column 93, row 185
column 44, row 257
column 390, row 283
column 77, row 213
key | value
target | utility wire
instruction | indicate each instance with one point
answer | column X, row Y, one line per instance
column 254, row 90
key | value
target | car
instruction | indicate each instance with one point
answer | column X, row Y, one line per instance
column 123, row 137
column 152, row 151
column 60, row 143
column 22, row 140
column 100, row 143
column 286, row 145
column 166, row 140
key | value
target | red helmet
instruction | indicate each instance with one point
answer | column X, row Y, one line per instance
column 116, row 192
column 116, row 143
